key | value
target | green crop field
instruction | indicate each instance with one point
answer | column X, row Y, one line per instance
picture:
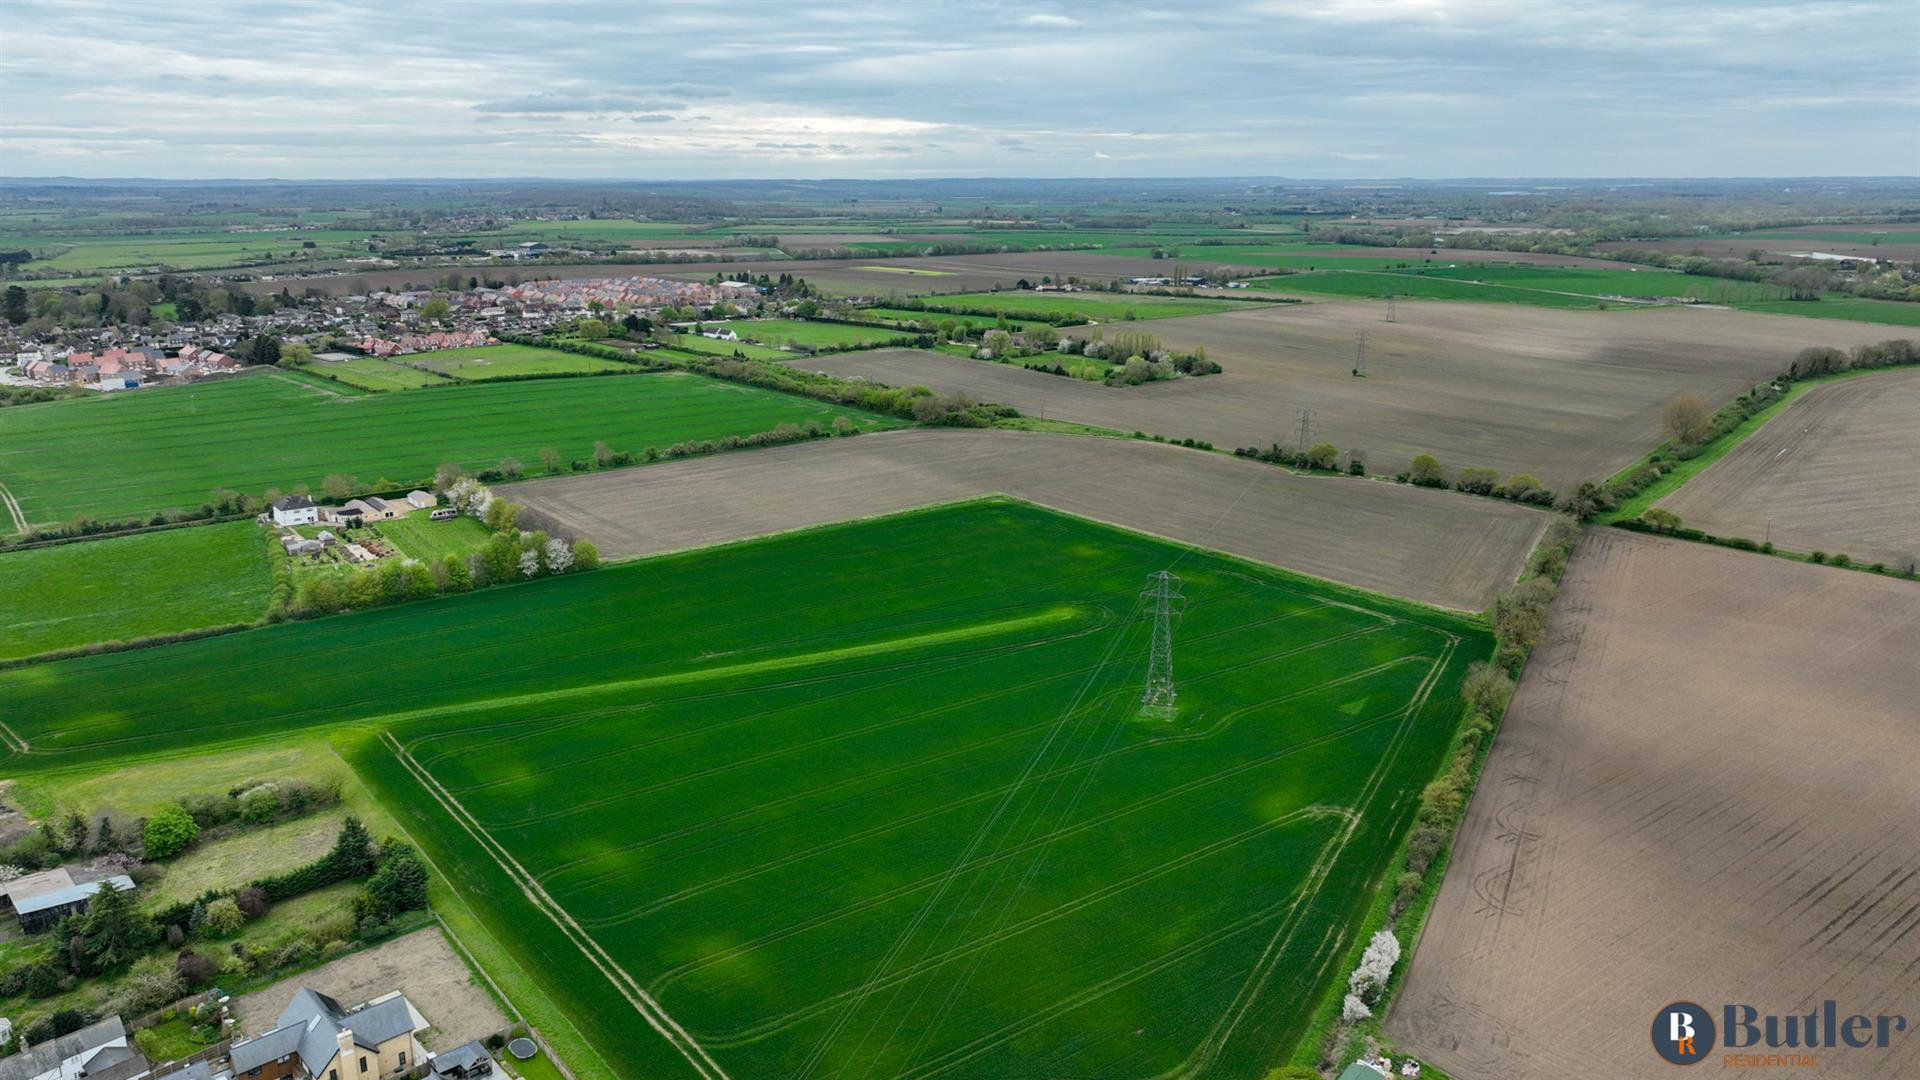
column 509, row 361
column 374, row 373
column 822, row 336
column 1842, row 306
column 908, row 315
column 1099, row 306
column 137, row 453
column 863, row 798
column 707, row 346
column 1422, row 287
column 179, row 249
column 131, row 587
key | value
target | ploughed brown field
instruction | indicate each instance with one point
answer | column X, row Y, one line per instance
column 1435, row 547
column 1836, row 471
column 1564, row 395
column 919, row 275
column 1703, row 791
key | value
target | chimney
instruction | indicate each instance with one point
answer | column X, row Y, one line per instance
column 349, row 1066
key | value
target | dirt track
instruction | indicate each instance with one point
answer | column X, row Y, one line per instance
column 1836, row 471
column 1703, row 791
column 1566, row 396
column 1437, row 547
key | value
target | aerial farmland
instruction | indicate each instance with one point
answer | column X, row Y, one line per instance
column 928, row 542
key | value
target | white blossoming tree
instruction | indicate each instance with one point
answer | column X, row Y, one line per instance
column 559, row 556
column 469, row 496
column 529, row 563
column 1376, row 967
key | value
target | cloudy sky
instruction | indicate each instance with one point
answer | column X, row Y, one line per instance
column 915, row 88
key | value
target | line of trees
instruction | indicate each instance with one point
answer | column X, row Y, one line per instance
column 1519, row 619
column 1691, row 430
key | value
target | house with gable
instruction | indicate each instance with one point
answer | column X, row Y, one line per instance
column 320, row 1039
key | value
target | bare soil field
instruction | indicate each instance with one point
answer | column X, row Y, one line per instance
column 421, row 965
column 1836, row 471
column 1564, row 395
column 1439, row 548
column 1699, row 793
column 918, row 275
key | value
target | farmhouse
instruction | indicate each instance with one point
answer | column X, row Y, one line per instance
column 42, row 911
column 319, row 1039
column 97, row 1052
column 295, row 510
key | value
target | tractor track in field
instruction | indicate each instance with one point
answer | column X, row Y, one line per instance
column 13, row 510
column 696, row 1056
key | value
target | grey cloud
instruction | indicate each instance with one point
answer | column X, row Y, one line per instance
column 556, row 103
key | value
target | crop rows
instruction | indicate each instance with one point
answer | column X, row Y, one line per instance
column 136, row 454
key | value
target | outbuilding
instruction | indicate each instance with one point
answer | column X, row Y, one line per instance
column 43, row 911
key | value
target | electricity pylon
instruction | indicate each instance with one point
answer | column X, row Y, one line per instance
column 1163, row 589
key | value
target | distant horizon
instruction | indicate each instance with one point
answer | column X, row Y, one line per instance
column 1328, row 90
column 997, row 177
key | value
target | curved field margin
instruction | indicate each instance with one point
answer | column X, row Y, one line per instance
column 864, row 796
column 1836, row 471
column 134, row 454
column 1698, row 793
column 1434, row 547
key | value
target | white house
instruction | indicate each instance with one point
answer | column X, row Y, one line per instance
column 422, row 500
column 295, row 510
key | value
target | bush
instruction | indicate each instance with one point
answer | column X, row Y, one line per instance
column 252, row 901
column 54, row 1025
column 1425, row 471
column 1477, row 481
column 223, row 919
column 399, row 885
column 149, row 986
column 169, row 832
column 193, row 969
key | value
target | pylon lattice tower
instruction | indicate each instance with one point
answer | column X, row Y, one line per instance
column 1390, row 307
column 1163, row 590
column 1360, row 353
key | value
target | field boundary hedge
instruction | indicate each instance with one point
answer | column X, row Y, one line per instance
column 1518, row 619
